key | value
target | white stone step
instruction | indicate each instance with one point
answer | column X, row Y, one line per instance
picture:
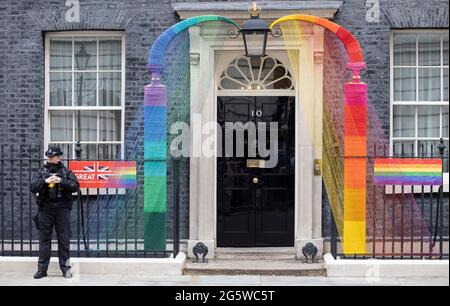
column 101, row 266
column 255, row 267
column 255, row 253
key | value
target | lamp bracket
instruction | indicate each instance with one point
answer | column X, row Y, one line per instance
column 233, row 33
column 276, row 33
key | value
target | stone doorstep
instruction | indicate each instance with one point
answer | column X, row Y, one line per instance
column 255, row 254
column 101, row 266
column 252, row 267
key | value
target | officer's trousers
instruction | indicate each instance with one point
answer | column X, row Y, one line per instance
column 58, row 218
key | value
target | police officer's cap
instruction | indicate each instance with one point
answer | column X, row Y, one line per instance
column 53, row 151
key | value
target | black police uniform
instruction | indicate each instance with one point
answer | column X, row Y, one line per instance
column 55, row 205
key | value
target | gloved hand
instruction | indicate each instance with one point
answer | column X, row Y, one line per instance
column 50, row 180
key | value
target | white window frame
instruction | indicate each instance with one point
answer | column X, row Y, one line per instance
column 416, row 103
column 48, row 108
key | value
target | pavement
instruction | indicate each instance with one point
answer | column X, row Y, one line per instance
column 19, row 279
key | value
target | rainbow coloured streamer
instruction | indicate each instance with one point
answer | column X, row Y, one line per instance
column 410, row 171
column 355, row 137
column 155, row 136
column 355, row 150
column 352, row 45
column 157, row 52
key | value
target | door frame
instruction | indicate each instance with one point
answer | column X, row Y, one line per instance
column 205, row 45
column 293, row 94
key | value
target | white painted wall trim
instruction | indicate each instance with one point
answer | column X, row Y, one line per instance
column 270, row 9
column 374, row 268
column 211, row 54
column 102, row 266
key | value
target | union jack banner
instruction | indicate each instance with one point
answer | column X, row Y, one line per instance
column 101, row 172
column 104, row 174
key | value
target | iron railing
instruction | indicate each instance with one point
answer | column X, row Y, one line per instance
column 403, row 222
column 105, row 222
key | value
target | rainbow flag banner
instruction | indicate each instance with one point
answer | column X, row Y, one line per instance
column 408, row 171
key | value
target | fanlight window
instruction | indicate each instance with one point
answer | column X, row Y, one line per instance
column 258, row 73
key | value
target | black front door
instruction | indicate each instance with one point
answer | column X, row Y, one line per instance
column 255, row 204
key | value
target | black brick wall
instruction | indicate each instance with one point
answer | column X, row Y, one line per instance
column 23, row 25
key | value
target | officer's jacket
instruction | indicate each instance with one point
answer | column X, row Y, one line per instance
column 69, row 184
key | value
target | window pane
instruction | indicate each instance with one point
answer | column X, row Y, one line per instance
column 428, row 148
column 61, row 54
column 245, row 66
column 404, row 149
column 110, row 88
column 86, row 125
column 405, row 84
column 110, row 50
column 110, row 123
column 60, row 89
column 61, row 126
column 445, row 41
column 445, row 122
column 446, row 160
column 404, row 121
column 89, row 151
column 109, row 151
column 429, row 50
column 85, row 89
column 429, row 121
column 85, row 53
column 429, row 84
column 446, row 84
column 404, row 49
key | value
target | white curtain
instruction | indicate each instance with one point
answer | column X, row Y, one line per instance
column 110, row 88
column 61, row 82
column 85, row 88
column 60, row 89
column 429, row 121
column 429, row 84
column 405, row 54
column 445, row 122
column 110, row 56
column 110, row 122
column 404, row 121
column 110, row 53
column 85, row 53
column 61, row 54
column 446, row 84
column 405, row 84
column 61, row 126
column 86, row 125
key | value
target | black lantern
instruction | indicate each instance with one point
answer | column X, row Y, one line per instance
column 255, row 32
column 82, row 58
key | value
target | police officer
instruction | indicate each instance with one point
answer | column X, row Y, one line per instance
column 53, row 186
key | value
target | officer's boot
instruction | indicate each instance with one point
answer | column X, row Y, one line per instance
column 40, row 274
column 67, row 274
